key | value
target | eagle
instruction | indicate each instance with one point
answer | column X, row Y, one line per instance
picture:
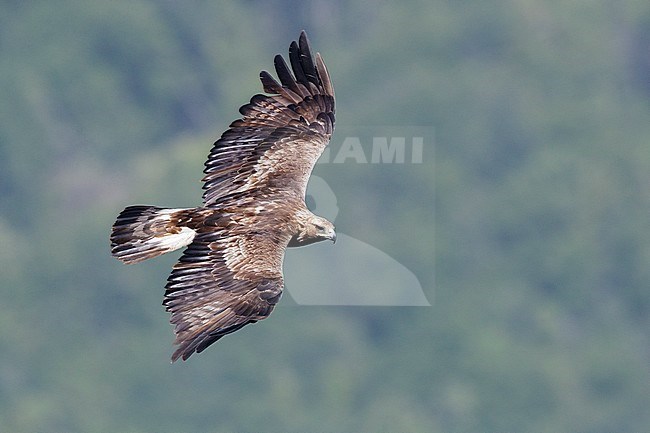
column 256, row 175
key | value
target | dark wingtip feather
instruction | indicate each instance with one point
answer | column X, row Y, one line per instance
column 268, row 83
column 284, row 74
column 206, row 339
column 306, row 59
column 306, row 74
column 296, row 64
column 324, row 75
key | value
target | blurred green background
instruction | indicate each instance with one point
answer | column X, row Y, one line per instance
column 532, row 214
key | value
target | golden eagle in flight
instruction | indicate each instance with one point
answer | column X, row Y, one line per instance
column 255, row 180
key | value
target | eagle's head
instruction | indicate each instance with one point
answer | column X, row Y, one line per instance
column 313, row 229
column 321, row 229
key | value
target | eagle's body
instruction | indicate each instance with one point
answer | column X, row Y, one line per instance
column 255, row 180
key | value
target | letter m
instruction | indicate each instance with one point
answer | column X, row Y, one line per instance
column 388, row 151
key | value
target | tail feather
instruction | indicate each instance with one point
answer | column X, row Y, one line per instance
column 143, row 232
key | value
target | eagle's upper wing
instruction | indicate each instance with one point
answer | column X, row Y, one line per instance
column 221, row 283
column 280, row 137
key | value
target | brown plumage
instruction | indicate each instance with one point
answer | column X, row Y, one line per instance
column 255, row 180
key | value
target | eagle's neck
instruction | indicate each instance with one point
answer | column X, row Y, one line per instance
column 299, row 241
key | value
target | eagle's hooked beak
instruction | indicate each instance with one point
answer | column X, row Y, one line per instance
column 333, row 236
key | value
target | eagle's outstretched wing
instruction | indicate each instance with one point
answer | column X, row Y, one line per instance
column 231, row 273
column 279, row 138
column 221, row 283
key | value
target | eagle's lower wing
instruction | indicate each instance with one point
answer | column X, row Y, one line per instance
column 220, row 284
column 280, row 136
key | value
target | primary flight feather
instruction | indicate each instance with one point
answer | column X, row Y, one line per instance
column 255, row 180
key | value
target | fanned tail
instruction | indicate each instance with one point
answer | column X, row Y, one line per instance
column 143, row 232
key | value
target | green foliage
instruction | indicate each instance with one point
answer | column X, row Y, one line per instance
column 527, row 227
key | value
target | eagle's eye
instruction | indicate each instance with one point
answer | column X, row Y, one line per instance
column 319, row 227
